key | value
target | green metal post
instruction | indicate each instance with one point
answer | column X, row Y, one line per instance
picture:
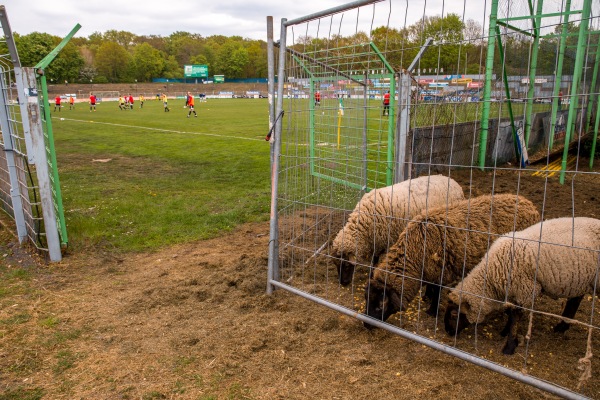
column 311, row 115
column 58, row 204
column 574, row 101
column 391, row 130
column 558, row 74
column 596, row 126
column 389, row 175
column 60, row 215
column 487, row 89
column 532, row 68
column 518, row 151
column 593, row 98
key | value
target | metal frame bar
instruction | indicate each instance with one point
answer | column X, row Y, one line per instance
column 558, row 79
column 487, row 88
column 577, row 71
column 536, row 22
column 529, row 380
column 330, row 11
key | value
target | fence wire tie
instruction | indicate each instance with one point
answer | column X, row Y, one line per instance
column 268, row 137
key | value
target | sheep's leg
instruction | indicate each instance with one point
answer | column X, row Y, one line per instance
column 509, row 322
column 512, row 341
column 569, row 312
column 433, row 292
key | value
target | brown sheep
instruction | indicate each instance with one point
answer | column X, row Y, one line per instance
column 441, row 247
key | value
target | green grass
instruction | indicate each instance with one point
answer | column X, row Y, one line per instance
column 170, row 179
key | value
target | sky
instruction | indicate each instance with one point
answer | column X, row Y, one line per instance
column 246, row 18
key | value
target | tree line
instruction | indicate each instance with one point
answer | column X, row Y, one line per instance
column 121, row 56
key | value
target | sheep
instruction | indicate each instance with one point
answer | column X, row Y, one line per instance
column 440, row 247
column 557, row 257
column 381, row 215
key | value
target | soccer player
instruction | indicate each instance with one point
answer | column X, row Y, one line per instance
column 165, row 102
column 317, row 98
column 57, row 103
column 142, row 101
column 190, row 103
column 92, row 102
column 71, row 103
column 131, row 101
column 386, row 103
column 122, row 105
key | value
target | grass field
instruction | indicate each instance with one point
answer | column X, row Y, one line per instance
column 144, row 178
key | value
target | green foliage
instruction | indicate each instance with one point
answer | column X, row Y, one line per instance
column 147, row 62
column 34, row 47
column 233, row 58
column 112, row 61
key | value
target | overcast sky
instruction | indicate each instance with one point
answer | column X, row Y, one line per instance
column 246, row 18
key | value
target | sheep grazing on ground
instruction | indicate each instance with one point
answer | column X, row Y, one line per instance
column 558, row 258
column 440, row 248
column 382, row 214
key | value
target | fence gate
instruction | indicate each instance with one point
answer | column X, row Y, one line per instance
column 29, row 186
column 334, row 141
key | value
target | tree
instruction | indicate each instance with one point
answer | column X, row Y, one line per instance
column 232, row 60
column 124, row 38
column 35, row 46
column 112, row 61
column 147, row 62
column 172, row 69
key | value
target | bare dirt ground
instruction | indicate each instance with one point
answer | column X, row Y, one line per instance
column 194, row 322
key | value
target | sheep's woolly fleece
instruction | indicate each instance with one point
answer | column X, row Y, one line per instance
column 558, row 257
column 445, row 244
column 381, row 215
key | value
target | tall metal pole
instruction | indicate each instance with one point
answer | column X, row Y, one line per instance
column 44, row 177
column 271, row 79
column 533, row 68
column 9, row 153
column 558, row 73
column 574, row 100
column 402, row 126
column 487, row 89
column 273, row 265
column 593, row 97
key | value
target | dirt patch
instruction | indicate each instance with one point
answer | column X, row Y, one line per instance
column 194, row 322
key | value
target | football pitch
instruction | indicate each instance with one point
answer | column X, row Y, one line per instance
column 144, row 178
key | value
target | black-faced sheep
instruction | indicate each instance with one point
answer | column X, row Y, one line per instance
column 382, row 214
column 557, row 257
column 441, row 247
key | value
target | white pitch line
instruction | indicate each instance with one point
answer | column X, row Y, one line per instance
column 162, row 130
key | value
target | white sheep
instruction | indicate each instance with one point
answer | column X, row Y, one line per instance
column 557, row 257
column 382, row 214
column 440, row 247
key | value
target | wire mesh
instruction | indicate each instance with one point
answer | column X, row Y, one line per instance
column 321, row 183
column 27, row 182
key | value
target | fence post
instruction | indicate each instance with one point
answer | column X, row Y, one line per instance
column 271, row 79
column 15, row 194
column 273, row 266
column 42, row 170
column 402, row 126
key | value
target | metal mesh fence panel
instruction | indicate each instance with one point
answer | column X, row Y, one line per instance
column 470, row 225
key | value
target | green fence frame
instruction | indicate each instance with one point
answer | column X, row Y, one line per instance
column 49, row 134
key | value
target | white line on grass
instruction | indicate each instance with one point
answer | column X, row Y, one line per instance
column 161, row 130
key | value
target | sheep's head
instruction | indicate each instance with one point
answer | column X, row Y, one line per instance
column 455, row 321
column 381, row 301
column 345, row 267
